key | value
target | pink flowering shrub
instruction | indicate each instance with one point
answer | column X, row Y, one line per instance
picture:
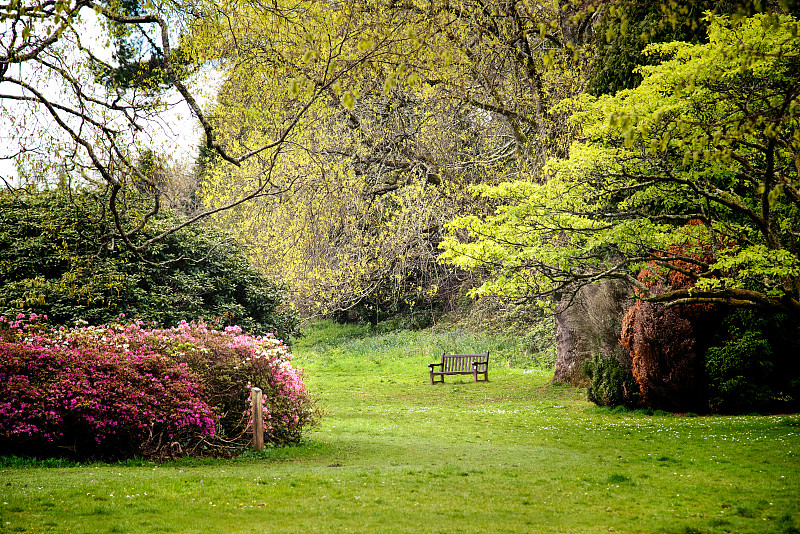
column 124, row 389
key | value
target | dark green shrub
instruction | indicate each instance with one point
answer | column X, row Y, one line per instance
column 611, row 383
column 753, row 363
column 59, row 256
column 737, row 372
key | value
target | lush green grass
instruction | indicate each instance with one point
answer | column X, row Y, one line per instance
column 395, row 454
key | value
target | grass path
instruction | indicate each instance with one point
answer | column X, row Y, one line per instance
column 395, row 454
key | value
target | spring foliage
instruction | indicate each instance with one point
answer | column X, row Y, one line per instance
column 403, row 105
column 712, row 133
column 685, row 186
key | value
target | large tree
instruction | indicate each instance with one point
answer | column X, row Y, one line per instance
column 72, row 115
column 451, row 94
column 711, row 136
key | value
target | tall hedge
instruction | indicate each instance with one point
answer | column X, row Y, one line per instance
column 60, row 256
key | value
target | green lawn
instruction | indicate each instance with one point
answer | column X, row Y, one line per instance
column 395, row 454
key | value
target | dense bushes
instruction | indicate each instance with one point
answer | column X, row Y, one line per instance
column 611, row 382
column 753, row 363
column 60, row 255
column 701, row 358
column 124, row 390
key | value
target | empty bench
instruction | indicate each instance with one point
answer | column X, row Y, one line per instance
column 461, row 364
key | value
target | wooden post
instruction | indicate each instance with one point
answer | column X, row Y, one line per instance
column 258, row 419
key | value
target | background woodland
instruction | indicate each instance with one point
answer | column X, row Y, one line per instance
column 624, row 172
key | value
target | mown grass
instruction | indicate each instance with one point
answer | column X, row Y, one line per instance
column 395, row 454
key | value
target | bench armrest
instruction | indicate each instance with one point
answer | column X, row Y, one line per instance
column 432, row 365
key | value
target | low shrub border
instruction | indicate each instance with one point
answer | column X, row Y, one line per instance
column 124, row 390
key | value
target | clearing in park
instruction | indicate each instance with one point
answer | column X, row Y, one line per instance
column 395, row 454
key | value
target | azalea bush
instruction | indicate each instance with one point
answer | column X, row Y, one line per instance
column 125, row 389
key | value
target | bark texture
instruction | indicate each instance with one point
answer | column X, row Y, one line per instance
column 590, row 324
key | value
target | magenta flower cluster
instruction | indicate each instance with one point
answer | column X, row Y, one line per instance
column 125, row 389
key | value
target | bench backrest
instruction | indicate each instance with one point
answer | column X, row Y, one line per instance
column 463, row 362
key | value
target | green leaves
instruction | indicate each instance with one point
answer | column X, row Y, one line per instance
column 697, row 140
column 348, row 100
column 56, row 258
column 294, row 88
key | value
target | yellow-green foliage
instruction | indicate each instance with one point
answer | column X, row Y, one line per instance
column 711, row 136
column 363, row 126
column 333, row 234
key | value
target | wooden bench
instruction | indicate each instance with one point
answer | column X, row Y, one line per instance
column 461, row 364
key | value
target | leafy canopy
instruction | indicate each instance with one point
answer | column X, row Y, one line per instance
column 710, row 137
column 405, row 106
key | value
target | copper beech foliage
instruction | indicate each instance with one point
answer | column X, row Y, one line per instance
column 666, row 344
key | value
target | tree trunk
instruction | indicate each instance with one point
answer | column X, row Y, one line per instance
column 569, row 358
column 589, row 324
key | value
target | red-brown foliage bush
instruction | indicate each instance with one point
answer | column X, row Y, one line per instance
column 666, row 343
column 665, row 363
